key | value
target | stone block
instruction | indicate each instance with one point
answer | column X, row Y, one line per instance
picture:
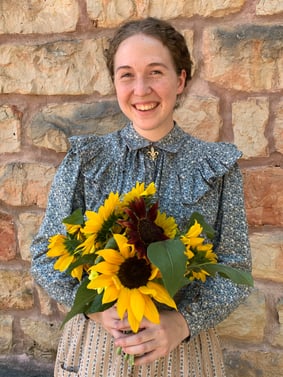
column 279, row 307
column 245, row 58
column 267, row 255
column 277, row 340
column 212, row 8
column 278, row 127
column 264, row 195
column 25, row 184
column 41, row 337
column 247, row 322
column 28, row 225
column 51, row 127
column 267, row 7
column 10, row 129
column 165, row 9
column 249, row 119
column 199, row 116
column 6, row 333
column 15, row 289
column 111, row 13
column 8, row 244
column 254, row 363
column 46, row 303
column 51, row 16
column 73, row 67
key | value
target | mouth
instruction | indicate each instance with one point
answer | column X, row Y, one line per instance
column 145, row 107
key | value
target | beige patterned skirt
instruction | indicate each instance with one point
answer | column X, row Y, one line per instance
column 87, row 350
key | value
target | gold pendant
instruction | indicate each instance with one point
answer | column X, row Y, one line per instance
column 152, row 154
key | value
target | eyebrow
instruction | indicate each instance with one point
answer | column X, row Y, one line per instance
column 153, row 64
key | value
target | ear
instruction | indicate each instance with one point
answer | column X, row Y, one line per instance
column 181, row 81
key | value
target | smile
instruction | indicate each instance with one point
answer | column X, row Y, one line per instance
column 145, row 107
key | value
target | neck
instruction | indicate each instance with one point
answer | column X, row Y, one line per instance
column 155, row 134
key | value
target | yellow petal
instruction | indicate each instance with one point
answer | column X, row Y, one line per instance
column 145, row 290
column 196, row 241
column 110, row 294
column 123, row 301
column 150, row 310
column 77, row 272
column 154, row 272
column 134, row 323
column 201, row 275
column 137, row 303
column 111, row 255
column 125, row 249
column 161, row 294
column 105, row 268
column 93, row 223
column 189, row 253
column 56, row 246
column 195, row 230
column 150, row 190
column 101, row 281
column 88, row 246
column 63, row 262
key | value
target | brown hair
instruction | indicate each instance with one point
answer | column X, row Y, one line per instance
column 160, row 30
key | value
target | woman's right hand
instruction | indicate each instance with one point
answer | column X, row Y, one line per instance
column 110, row 321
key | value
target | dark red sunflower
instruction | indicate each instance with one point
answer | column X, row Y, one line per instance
column 141, row 227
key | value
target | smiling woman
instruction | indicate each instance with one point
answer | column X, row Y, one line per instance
column 150, row 65
column 147, row 85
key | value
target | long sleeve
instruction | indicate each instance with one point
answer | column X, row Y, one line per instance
column 205, row 305
column 64, row 196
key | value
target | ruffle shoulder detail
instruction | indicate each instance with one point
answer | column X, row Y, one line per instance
column 89, row 147
column 207, row 163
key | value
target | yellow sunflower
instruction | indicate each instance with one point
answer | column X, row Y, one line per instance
column 167, row 223
column 129, row 281
column 138, row 191
column 191, row 238
column 198, row 257
column 98, row 224
column 74, row 229
column 61, row 246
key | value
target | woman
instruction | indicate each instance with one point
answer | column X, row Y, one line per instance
column 150, row 66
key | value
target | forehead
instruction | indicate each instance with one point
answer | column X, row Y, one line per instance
column 142, row 49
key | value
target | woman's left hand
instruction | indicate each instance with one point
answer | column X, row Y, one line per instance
column 154, row 341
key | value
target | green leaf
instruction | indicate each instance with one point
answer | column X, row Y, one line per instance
column 83, row 300
column 169, row 257
column 207, row 229
column 76, row 218
column 111, row 244
column 237, row 276
column 86, row 259
column 97, row 306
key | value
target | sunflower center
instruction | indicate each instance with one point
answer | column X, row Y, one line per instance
column 134, row 272
column 150, row 232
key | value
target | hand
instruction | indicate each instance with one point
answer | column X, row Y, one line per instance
column 110, row 321
column 154, row 341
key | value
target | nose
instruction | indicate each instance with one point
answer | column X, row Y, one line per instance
column 142, row 87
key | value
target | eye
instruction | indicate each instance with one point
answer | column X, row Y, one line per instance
column 156, row 72
column 125, row 75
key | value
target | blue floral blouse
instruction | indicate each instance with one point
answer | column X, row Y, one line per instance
column 189, row 174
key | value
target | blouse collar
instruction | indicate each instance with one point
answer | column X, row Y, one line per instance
column 172, row 142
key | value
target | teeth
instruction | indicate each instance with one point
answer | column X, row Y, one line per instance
column 145, row 107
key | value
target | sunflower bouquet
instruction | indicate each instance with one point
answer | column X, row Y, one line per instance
column 132, row 255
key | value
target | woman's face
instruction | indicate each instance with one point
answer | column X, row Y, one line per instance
column 147, row 85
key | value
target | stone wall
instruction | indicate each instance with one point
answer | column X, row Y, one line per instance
column 54, row 84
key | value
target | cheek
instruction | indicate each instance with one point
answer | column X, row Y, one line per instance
column 120, row 94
